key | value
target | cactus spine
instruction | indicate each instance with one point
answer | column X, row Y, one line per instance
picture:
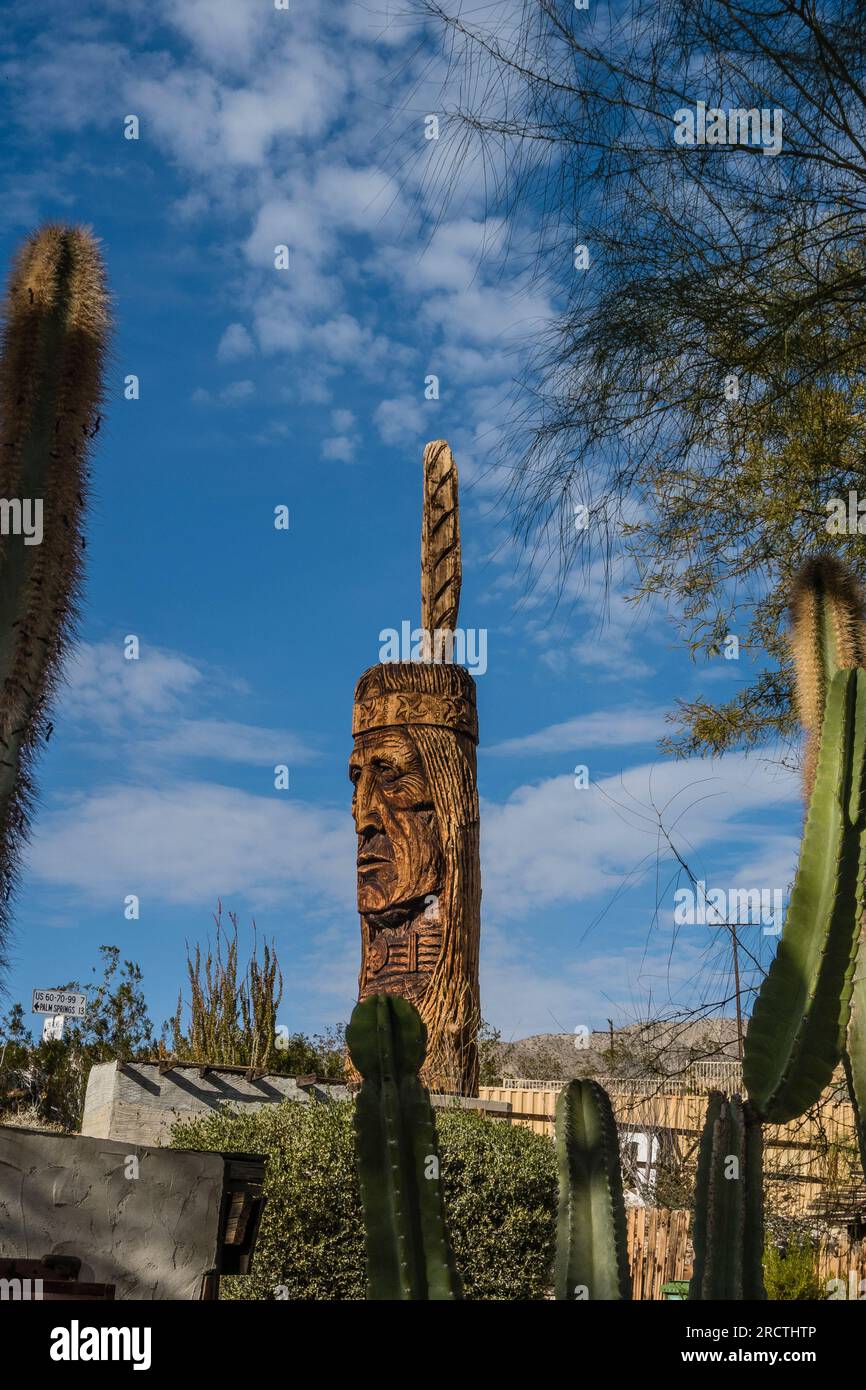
column 828, row 634
column 408, row 1253
column 591, row 1244
column 54, row 336
column 728, row 1228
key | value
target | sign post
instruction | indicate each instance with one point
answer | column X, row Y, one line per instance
column 59, row 1001
column 52, row 1026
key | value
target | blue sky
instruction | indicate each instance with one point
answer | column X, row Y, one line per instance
column 306, row 387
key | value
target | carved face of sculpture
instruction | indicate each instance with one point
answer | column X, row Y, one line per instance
column 399, row 855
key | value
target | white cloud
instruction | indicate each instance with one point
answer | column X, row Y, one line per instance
column 403, row 420
column 343, row 445
column 615, row 633
column 235, row 393
column 608, row 728
column 342, row 339
column 362, row 199
column 381, row 21
column 194, row 841
column 554, row 843
column 342, row 421
column 490, row 314
column 225, row 740
column 524, row 994
column 181, row 111
column 213, row 128
column 452, row 259
column 298, row 97
column 103, row 688
column 466, row 366
column 293, row 222
column 340, row 448
column 279, row 327
column 234, row 344
column 81, row 76
column 222, row 31
column 146, row 705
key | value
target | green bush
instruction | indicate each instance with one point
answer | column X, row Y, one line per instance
column 500, row 1192
column 792, row 1274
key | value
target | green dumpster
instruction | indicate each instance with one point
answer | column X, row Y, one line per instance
column 678, row 1290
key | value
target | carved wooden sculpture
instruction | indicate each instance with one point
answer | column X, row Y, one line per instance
column 415, row 806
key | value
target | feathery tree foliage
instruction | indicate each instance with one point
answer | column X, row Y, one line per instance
column 702, row 390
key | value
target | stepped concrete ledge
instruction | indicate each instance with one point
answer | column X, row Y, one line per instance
column 138, row 1102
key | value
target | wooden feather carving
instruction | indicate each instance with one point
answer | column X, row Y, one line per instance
column 441, row 569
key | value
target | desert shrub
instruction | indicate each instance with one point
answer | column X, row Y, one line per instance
column 500, row 1195
column 500, row 1192
column 790, row 1272
column 233, row 1013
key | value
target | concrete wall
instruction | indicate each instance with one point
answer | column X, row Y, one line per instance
column 132, row 1102
column 153, row 1235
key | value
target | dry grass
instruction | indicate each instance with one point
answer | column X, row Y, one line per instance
column 31, row 1119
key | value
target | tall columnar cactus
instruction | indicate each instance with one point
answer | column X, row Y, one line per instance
column 408, row 1253
column 591, row 1242
column 797, row 1029
column 53, row 345
column 728, row 1227
column 829, row 634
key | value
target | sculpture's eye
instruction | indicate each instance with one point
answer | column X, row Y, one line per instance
column 387, row 771
column 354, row 774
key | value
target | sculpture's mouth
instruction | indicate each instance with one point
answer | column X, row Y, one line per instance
column 373, row 851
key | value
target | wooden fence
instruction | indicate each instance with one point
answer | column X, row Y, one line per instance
column 810, row 1164
column 698, row 1079
column 659, row 1249
column 660, row 1252
column 844, row 1261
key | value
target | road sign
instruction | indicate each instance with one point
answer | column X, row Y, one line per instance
column 52, row 1026
column 59, row 1001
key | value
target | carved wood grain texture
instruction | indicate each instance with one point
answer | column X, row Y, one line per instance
column 441, row 569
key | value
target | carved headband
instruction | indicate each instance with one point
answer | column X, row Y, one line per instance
column 383, row 711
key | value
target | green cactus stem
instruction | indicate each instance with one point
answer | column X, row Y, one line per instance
column 796, row 1033
column 828, row 634
column 728, row 1226
column 591, row 1243
column 408, row 1252
column 854, row 1056
column 53, row 345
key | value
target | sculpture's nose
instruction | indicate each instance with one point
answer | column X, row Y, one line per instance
column 365, row 806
